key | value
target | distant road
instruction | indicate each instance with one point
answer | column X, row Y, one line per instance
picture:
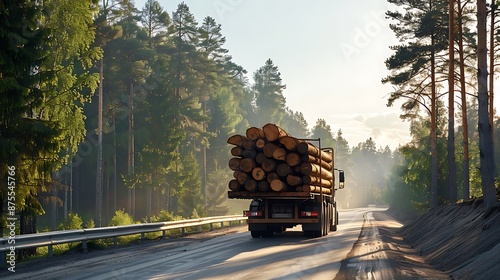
column 235, row 256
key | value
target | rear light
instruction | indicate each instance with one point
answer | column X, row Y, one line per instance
column 309, row 214
column 252, row 213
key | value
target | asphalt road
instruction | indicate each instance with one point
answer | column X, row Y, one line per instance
column 235, row 256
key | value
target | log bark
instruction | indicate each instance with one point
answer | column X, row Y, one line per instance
column 251, row 185
column 307, row 168
column 234, row 163
column 247, row 164
column 237, row 151
column 236, row 140
column 283, row 169
column 279, row 154
column 234, row 185
column 253, row 133
column 316, row 189
column 273, row 132
column 279, row 186
column 260, row 157
column 258, row 173
column 269, row 159
column 290, row 142
column 293, row 159
column 263, row 186
column 293, row 180
column 249, row 153
column 259, row 143
column 315, row 160
column 241, row 176
column 310, row 149
column 269, row 165
column 316, row 181
column 248, row 144
column 272, row 176
column 269, row 149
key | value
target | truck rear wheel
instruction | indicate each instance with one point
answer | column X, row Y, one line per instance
column 333, row 227
column 255, row 233
column 268, row 233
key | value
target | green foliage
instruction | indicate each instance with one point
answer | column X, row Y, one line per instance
column 165, row 216
column 121, row 218
column 45, row 81
column 90, row 223
column 295, row 124
column 73, row 221
column 324, row 132
column 190, row 199
column 268, row 91
column 217, row 192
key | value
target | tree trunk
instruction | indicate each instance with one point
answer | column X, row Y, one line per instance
column 463, row 95
column 486, row 151
column 452, row 168
column 434, row 159
column 114, row 165
column 493, row 6
column 98, row 185
column 131, row 156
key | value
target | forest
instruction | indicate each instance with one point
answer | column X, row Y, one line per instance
column 110, row 107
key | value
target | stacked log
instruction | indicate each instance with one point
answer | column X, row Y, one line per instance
column 268, row 159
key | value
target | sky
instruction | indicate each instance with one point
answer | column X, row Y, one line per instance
column 330, row 55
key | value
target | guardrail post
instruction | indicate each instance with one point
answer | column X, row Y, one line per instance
column 84, row 246
column 115, row 241
column 143, row 236
column 164, row 234
column 221, row 224
column 211, row 226
column 50, row 251
column 183, row 231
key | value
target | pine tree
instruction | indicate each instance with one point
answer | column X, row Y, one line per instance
column 268, row 90
column 295, row 123
column 44, row 84
column 414, row 65
column 484, row 125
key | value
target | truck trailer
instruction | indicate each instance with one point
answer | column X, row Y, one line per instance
column 308, row 201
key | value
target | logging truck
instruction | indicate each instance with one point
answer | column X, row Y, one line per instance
column 289, row 181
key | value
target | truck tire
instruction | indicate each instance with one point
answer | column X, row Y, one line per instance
column 255, row 233
column 267, row 233
column 325, row 219
column 334, row 227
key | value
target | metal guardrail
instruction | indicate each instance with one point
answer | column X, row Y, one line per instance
column 49, row 239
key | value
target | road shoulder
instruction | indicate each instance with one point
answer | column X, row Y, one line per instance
column 381, row 253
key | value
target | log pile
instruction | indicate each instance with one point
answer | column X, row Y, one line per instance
column 268, row 159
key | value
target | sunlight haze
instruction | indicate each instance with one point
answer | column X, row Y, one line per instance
column 330, row 54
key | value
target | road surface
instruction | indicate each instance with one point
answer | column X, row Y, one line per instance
column 234, row 256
